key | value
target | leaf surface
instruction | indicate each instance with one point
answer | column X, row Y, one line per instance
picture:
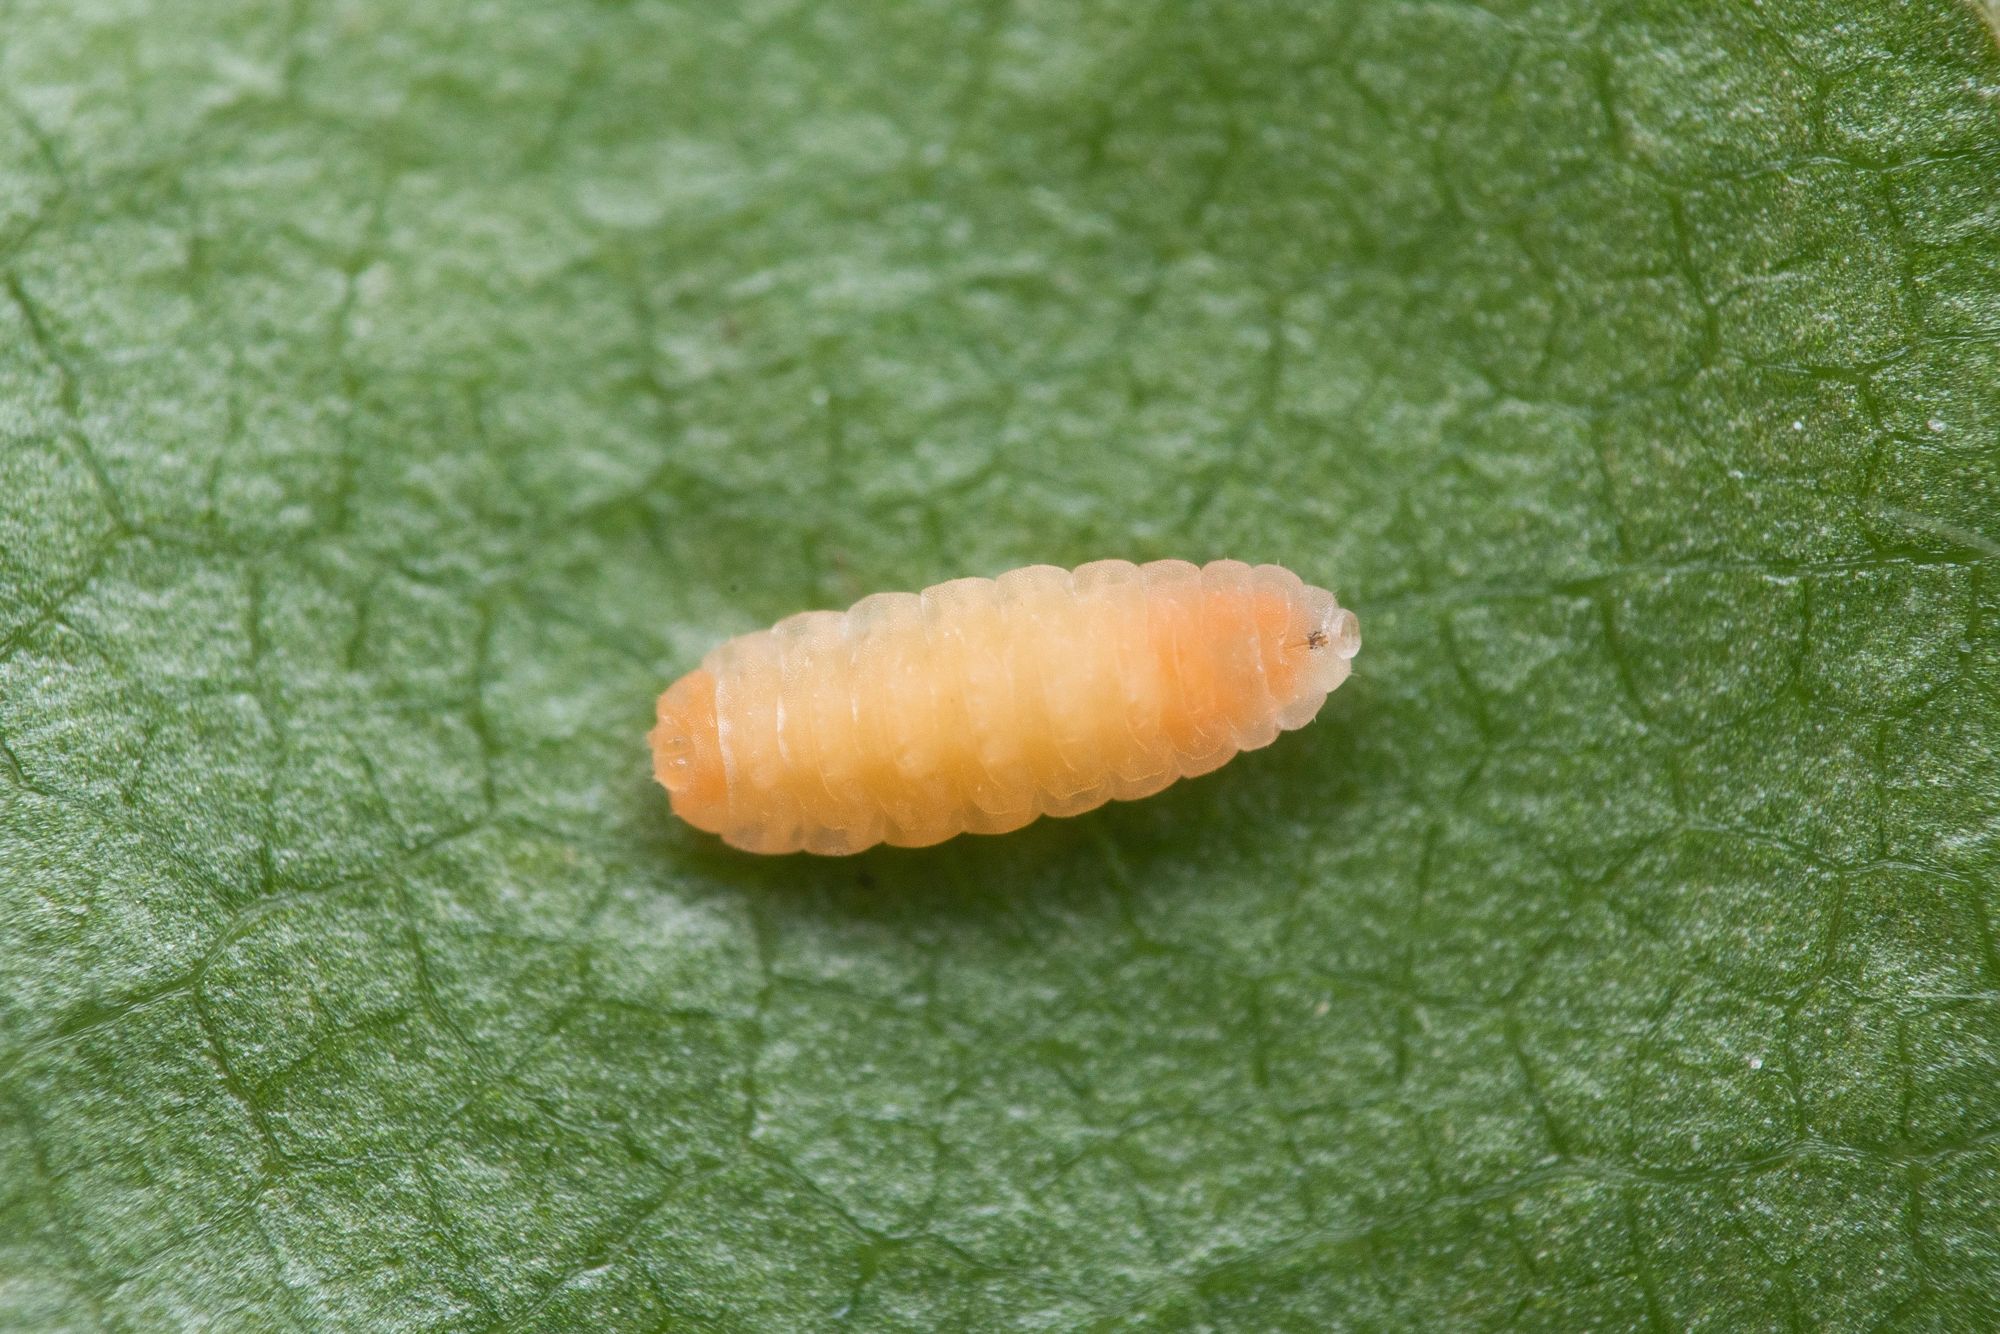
column 394, row 398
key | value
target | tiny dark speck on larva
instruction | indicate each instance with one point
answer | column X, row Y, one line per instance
column 981, row 704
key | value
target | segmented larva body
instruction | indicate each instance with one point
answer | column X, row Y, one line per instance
column 981, row 704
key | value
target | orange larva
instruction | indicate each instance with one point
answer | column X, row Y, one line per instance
column 981, row 704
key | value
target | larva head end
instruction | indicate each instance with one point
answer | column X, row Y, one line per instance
column 1306, row 637
column 1340, row 633
column 1328, row 635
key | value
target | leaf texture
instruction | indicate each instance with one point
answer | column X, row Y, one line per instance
column 394, row 397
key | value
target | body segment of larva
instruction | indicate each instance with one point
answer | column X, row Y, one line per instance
column 980, row 704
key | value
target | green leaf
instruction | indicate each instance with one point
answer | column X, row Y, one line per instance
column 395, row 397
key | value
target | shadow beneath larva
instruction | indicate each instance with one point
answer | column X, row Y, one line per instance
column 968, row 879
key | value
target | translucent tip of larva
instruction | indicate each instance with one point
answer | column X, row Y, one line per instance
column 1343, row 633
column 1333, row 636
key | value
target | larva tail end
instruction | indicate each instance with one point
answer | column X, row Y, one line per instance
column 687, row 758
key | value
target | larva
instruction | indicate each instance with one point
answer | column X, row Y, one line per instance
column 981, row 704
